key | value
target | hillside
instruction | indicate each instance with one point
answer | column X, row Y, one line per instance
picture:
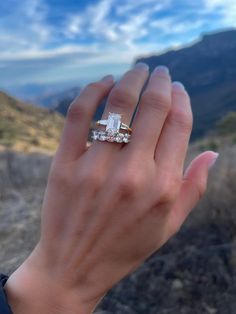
column 208, row 70
column 24, row 127
column 59, row 100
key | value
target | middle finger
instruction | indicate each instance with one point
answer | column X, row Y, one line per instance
column 153, row 109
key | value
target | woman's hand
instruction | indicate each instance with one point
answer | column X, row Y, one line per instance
column 107, row 208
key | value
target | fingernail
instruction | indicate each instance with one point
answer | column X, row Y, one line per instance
column 178, row 86
column 108, row 79
column 141, row 66
column 161, row 69
column 213, row 161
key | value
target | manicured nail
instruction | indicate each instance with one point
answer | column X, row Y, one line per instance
column 141, row 66
column 213, row 161
column 162, row 69
column 178, row 86
column 108, row 79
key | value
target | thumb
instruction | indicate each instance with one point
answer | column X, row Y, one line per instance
column 193, row 187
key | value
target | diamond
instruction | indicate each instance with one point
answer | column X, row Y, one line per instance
column 95, row 135
column 102, row 136
column 113, row 123
column 126, row 138
column 119, row 138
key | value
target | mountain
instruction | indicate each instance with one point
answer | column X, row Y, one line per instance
column 25, row 127
column 55, row 100
column 208, row 70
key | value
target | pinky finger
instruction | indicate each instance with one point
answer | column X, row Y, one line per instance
column 193, row 188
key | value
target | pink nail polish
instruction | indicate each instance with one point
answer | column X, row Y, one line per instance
column 213, row 161
column 141, row 66
column 161, row 69
column 178, row 86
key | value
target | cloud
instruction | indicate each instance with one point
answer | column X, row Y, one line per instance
column 41, row 42
column 226, row 10
column 93, row 19
column 23, row 26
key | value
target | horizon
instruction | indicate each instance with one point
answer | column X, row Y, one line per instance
column 68, row 44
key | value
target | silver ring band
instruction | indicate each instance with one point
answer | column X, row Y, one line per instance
column 106, row 136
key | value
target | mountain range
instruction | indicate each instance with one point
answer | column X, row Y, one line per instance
column 207, row 68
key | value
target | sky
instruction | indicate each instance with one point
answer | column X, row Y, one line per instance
column 68, row 42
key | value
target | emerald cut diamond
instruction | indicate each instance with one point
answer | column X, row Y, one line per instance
column 113, row 123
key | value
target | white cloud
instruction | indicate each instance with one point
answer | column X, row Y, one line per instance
column 105, row 34
column 96, row 21
column 226, row 8
column 24, row 27
column 127, row 7
column 93, row 19
column 165, row 24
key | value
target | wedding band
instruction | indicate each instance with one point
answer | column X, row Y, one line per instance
column 112, row 133
column 108, row 137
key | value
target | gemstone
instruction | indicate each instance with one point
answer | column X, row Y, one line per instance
column 95, row 135
column 102, row 136
column 126, row 138
column 113, row 123
column 119, row 138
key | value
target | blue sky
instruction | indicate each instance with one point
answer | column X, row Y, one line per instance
column 63, row 41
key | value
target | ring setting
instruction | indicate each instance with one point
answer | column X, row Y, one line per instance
column 113, row 127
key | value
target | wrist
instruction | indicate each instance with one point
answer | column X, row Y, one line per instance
column 30, row 291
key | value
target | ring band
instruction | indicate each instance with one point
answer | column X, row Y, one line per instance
column 108, row 137
column 112, row 133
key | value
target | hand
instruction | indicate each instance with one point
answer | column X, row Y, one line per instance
column 109, row 207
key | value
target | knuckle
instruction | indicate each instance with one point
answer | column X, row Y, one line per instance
column 77, row 111
column 60, row 178
column 90, row 179
column 129, row 184
column 156, row 100
column 183, row 120
column 168, row 189
column 121, row 98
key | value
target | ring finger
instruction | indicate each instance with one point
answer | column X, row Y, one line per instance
column 123, row 100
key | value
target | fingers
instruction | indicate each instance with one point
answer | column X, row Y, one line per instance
column 79, row 116
column 123, row 100
column 153, row 109
column 124, row 97
column 173, row 143
column 192, row 189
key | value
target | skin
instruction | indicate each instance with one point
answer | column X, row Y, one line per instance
column 110, row 206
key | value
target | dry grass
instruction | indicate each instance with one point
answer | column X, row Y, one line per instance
column 26, row 128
